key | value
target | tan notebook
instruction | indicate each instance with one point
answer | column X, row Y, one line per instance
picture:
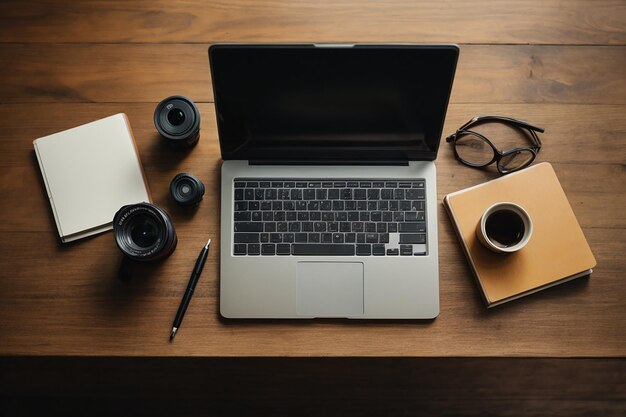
column 91, row 171
column 557, row 251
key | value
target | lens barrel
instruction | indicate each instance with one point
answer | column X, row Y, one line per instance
column 186, row 189
column 177, row 119
column 144, row 232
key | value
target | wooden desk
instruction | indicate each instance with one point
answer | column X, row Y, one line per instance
column 559, row 65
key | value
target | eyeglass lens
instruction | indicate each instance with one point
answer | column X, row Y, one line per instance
column 473, row 150
column 514, row 160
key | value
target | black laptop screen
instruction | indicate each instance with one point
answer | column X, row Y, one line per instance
column 306, row 102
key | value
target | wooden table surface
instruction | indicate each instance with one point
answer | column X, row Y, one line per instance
column 560, row 65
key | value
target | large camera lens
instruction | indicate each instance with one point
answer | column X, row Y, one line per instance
column 186, row 189
column 177, row 119
column 144, row 232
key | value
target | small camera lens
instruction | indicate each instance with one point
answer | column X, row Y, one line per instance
column 186, row 189
column 176, row 117
column 144, row 232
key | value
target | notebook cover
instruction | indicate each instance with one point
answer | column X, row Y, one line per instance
column 556, row 252
column 90, row 171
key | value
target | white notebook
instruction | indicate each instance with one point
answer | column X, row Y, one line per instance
column 91, row 171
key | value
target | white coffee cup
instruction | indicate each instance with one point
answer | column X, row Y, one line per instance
column 504, row 227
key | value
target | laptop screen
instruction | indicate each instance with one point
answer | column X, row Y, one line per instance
column 331, row 103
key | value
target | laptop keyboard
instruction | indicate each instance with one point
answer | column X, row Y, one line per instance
column 322, row 217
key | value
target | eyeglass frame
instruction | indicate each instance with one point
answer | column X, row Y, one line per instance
column 497, row 154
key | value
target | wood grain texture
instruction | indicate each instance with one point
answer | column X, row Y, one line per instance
column 481, row 21
column 41, row 295
column 150, row 72
column 557, row 64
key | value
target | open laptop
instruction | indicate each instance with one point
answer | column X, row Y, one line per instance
column 329, row 200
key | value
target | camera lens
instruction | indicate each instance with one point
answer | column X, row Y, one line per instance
column 186, row 189
column 144, row 232
column 177, row 119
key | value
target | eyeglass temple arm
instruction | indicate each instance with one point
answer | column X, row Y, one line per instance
column 516, row 122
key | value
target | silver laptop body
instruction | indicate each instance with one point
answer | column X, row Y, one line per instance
column 328, row 155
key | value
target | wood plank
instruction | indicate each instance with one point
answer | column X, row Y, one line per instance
column 66, row 300
column 599, row 152
column 483, row 21
column 149, row 73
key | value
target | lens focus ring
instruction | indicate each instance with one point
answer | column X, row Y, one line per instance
column 177, row 119
column 144, row 232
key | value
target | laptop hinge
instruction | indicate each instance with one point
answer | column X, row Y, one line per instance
column 326, row 162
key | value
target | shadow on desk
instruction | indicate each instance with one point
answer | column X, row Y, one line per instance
column 312, row 386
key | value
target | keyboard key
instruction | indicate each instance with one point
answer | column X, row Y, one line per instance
column 301, row 237
column 417, row 206
column 238, row 194
column 322, row 250
column 333, row 226
column 365, row 184
column 327, row 238
column 241, row 205
column 363, row 250
column 259, row 194
column 270, row 227
column 270, row 194
column 268, row 216
column 301, row 205
column 266, row 205
column 242, row 216
column 276, row 237
column 309, row 194
column 283, row 249
column 277, row 184
column 268, row 249
column 288, row 237
column 370, row 227
column 393, row 252
column 248, row 227
column 360, row 238
column 264, row 237
column 325, row 205
column 378, row 184
column 404, row 205
column 240, row 184
column 371, row 237
column 346, row 194
column 373, row 194
column 254, row 206
column 398, row 194
column 294, row 227
column 350, row 237
column 333, row 194
column 264, row 184
column 406, row 250
column 383, row 238
column 301, row 184
column 282, row 227
column 339, row 184
column 344, row 227
column 254, row 249
column 408, row 227
column 413, row 238
column 252, row 184
column 360, row 194
column 307, row 226
column 246, row 238
column 378, row 250
column 314, row 237
column 249, row 194
column 337, row 237
column 415, row 194
column 239, row 249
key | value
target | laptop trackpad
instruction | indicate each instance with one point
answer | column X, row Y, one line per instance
column 330, row 289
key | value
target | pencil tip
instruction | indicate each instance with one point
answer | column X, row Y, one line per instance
column 207, row 244
column 174, row 330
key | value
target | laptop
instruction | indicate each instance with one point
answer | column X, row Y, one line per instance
column 328, row 188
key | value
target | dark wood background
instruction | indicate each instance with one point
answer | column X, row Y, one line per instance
column 75, row 341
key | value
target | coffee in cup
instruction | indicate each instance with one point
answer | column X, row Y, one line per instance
column 504, row 227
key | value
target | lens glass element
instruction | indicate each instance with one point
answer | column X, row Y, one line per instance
column 176, row 117
column 516, row 159
column 144, row 232
column 474, row 150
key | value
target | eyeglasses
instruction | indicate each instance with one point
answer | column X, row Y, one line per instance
column 475, row 150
